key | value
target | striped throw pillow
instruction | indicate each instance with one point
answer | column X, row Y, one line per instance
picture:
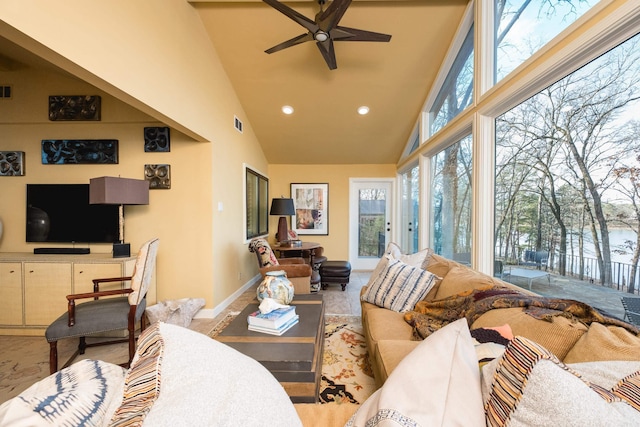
column 532, row 387
column 399, row 286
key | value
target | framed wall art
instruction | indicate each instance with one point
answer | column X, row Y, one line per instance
column 312, row 208
column 79, row 151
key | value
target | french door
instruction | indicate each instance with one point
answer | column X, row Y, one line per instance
column 370, row 220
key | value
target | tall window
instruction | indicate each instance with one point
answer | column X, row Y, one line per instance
column 451, row 201
column 256, row 189
column 410, row 210
column 456, row 93
column 524, row 26
column 568, row 172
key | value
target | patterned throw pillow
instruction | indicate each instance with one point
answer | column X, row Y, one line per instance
column 81, row 394
column 532, row 387
column 398, row 286
column 266, row 256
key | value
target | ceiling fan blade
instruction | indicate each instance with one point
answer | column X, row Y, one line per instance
column 347, row 34
column 291, row 42
column 292, row 14
column 328, row 53
column 330, row 18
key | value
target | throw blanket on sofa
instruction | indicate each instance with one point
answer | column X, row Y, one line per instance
column 429, row 316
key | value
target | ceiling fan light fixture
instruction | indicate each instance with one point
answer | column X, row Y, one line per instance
column 287, row 109
column 321, row 36
column 363, row 110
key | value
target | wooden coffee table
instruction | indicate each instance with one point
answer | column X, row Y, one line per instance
column 295, row 357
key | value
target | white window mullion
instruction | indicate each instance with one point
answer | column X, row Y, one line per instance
column 483, row 193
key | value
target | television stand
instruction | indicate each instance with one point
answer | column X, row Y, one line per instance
column 61, row 251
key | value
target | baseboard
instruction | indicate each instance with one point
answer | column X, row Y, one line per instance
column 210, row 313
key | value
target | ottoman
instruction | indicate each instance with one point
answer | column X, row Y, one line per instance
column 335, row 272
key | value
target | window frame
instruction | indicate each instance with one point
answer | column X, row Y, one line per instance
column 256, row 197
column 606, row 25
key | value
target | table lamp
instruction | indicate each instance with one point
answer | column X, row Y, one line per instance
column 284, row 207
column 109, row 190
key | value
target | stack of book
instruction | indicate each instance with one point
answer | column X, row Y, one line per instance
column 276, row 322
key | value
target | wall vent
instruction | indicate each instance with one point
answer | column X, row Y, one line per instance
column 237, row 124
column 5, row 92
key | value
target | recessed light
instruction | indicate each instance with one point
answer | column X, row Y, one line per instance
column 363, row 110
column 287, row 109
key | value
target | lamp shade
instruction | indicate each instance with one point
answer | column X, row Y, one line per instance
column 282, row 206
column 109, row 190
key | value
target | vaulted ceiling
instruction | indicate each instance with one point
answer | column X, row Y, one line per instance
column 392, row 79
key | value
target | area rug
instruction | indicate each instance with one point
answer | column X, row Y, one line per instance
column 346, row 373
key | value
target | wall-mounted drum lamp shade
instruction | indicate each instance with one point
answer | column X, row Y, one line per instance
column 109, row 190
column 283, row 207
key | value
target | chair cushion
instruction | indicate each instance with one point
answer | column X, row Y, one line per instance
column 143, row 270
column 266, row 256
column 109, row 314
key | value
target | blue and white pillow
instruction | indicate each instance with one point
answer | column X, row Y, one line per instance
column 82, row 394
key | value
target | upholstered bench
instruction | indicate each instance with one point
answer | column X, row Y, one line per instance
column 335, row 272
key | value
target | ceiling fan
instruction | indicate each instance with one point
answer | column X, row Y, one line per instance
column 325, row 29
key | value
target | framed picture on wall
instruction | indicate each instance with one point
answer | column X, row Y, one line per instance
column 311, row 202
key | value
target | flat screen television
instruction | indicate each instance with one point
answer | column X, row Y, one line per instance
column 61, row 213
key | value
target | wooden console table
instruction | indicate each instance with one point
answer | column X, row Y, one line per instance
column 295, row 357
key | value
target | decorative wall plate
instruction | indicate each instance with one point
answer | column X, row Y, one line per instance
column 74, row 107
column 157, row 139
column 11, row 163
column 159, row 176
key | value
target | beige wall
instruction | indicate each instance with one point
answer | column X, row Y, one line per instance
column 155, row 66
column 160, row 61
column 336, row 244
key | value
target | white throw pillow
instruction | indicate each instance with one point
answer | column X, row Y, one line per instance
column 532, row 387
column 177, row 312
column 180, row 377
column 437, row 384
column 399, row 286
column 417, row 259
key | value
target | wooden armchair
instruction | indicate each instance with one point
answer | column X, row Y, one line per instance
column 108, row 314
column 297, row 270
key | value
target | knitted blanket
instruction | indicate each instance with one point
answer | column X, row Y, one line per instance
column 428, row 317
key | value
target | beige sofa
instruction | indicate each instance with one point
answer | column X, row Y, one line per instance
column 390, row 338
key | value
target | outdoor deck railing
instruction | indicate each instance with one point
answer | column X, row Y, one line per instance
column 589, row 272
